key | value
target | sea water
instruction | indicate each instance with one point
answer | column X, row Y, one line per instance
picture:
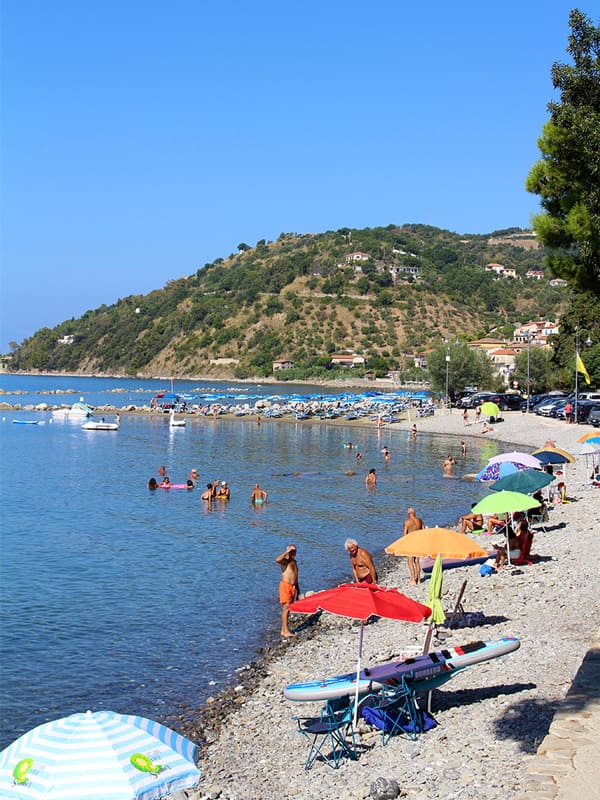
column 145, row 602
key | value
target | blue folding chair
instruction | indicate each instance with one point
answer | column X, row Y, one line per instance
column 331, row 734
column 394, row 711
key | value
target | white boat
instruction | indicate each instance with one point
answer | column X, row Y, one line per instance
column 101, row 425
column 174, row 422
column 77, row 410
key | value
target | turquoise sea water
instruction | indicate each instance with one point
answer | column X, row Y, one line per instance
column 145, row 602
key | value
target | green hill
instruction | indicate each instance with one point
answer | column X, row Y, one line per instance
column 381, row 292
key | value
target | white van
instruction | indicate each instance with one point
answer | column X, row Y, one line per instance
column 589, row 396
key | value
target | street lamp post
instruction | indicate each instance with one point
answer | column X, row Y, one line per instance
column 528, row 369
column 588, row 342
column 447, row 365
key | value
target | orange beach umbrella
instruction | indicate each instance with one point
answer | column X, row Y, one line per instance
column 436, row 541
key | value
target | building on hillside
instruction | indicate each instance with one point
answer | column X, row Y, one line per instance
column 503, row 360
column 358, row 256
column 498, row 269
column 535, row 274
column 403, row 271
column 69, row 339
column 347, row 360
column 535, row 332
column 282, row 363
column 487, row 344
column 558, row 282
column 420, row 360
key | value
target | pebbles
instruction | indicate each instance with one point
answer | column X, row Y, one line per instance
column 491, row 718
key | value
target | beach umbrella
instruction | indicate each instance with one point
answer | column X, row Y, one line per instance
column 593, row 440
column 98, row 755
column 431, row 542
column 549, row 455
column 504, row 502
column 586, row 436
column 520, row 459
column 361, row 601
column 526, row 481
column 434, row 596
column 493, row 472
column 589, row 448
column 490, row 409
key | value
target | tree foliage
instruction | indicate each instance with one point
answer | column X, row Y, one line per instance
column 540, row 376
column 466, row 367
column 567, row 177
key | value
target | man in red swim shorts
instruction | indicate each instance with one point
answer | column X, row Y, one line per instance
column 289, row 589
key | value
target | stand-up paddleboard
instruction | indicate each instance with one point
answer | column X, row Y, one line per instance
column 432, row 668
column 451, row 563
column 174, row 486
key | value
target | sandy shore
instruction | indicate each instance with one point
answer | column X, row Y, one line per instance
column 491, row 718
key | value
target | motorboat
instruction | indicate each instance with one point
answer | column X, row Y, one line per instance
column 76, row 411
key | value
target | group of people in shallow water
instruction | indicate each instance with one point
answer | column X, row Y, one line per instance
column 216, row 490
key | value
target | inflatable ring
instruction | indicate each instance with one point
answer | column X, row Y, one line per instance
column 21, row 770
column 145, row 764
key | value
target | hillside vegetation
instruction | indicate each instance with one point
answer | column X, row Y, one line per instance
column 299, row 298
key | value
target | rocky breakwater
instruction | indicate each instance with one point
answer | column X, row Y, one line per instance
column 491, row 718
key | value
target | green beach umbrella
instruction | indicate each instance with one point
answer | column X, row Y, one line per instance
column 434, row 600
column 504, row 502
column 526, row 481
column 490, row 409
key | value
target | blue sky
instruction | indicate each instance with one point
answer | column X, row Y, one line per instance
column 142, row 139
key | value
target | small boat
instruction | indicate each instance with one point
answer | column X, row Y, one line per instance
column 77, row 410
column 101, row 425
column 26, row 421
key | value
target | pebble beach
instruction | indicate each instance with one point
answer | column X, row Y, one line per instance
column 491, row 719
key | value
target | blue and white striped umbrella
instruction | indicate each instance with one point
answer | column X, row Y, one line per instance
column 97, row 756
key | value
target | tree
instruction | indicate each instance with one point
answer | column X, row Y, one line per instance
column 539, row 370
column 242, row 247
column 567, row 178
column 466, row 367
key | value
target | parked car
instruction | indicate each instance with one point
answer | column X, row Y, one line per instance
column 533, row 401
column 558, row 409
column 544, row 408
column 508, row 401
column 475, row 400
column 594, row 417
column 585, row 408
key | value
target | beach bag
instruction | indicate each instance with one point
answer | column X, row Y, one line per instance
column 388, row 720
column 487, row 568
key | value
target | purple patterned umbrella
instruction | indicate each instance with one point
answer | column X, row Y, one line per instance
column 493, row 472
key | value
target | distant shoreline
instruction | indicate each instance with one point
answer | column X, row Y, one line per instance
column 381, row 383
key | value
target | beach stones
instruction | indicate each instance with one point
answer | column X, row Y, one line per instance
column 384, row 789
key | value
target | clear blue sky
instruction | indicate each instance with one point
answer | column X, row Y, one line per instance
column 142, row 139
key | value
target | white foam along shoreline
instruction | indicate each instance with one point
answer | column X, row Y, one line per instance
column 491, row 718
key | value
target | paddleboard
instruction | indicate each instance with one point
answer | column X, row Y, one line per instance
column 424, row 671
column 175, row 486
column 451, row 563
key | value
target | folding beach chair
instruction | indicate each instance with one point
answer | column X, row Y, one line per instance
column 331, row 734
column 394, row 711
column 459, row 611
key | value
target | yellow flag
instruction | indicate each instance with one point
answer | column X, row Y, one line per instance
column 581, row 368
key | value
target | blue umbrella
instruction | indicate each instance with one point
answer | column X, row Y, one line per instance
column 551, row 457
column 99, row 756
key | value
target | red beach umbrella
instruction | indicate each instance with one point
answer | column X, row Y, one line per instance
column 361, row 601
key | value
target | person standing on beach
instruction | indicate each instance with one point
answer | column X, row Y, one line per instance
column 363, row 568
column 371, row 479
column 413, row 523
column 289, row 588
column 465, row 417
